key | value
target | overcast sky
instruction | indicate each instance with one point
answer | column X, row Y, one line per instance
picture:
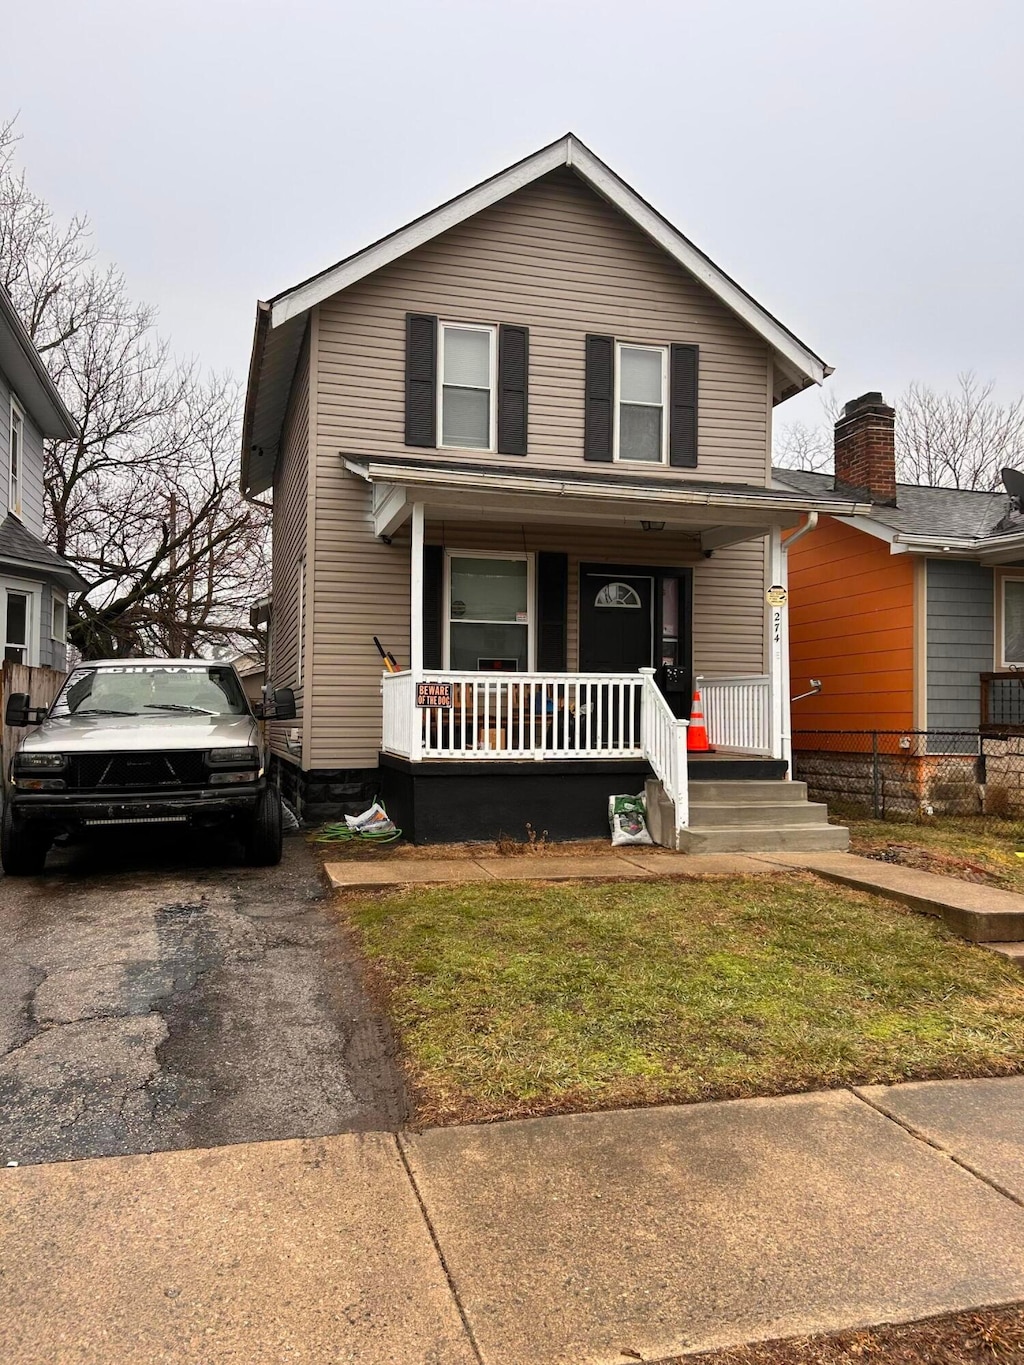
column 857, row 165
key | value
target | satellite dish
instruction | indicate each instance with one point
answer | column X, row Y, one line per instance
column 1013, row 482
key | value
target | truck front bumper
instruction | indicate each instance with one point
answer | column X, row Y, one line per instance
column 206, row 806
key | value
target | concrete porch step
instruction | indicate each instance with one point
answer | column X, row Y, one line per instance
column 751, row 815
column 776, row 793
column 744, row 817
column 763, row 839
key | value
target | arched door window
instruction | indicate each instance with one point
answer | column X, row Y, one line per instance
column 618, row 595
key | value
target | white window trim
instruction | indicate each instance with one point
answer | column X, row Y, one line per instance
column 1001, row 662
column 34, row 593
column 492, row 372
column 58, row 600
column 663, row 352
column 531, row 614
column 14, row 485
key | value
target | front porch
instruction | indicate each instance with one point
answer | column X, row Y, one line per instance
column 503, row 736
column 557, row 626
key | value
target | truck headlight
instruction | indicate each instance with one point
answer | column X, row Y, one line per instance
column 222, row 779
column 37, row 762
column 246, row 756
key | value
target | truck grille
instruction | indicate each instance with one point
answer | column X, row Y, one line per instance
column 126, row 772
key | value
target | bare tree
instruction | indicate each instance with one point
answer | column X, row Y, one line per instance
column 960, row 439
column 799, row 446
column 145, row 502
column 946, row 440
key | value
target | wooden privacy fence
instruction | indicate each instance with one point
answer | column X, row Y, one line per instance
column 41, row 684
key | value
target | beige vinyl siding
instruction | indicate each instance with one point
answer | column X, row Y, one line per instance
column 555, row 258
column 289, row 547
column 728, row 612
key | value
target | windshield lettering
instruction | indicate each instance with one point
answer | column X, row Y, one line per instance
column 148, row 689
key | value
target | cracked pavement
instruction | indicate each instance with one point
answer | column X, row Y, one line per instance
column 161, row 997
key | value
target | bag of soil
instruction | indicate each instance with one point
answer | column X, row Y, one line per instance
column 627, row 816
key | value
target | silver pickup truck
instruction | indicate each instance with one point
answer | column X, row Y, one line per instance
column 141, row 742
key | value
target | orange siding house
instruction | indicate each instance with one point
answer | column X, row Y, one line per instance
column 851, row 610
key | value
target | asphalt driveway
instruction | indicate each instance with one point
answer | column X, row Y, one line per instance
column 156, row 996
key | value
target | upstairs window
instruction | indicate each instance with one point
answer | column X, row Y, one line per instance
column 641, row 431
column 467, row 407
column 17, row 457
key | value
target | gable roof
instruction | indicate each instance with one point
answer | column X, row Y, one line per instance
column 960, row 521
column 29, row 378
column 280, row 322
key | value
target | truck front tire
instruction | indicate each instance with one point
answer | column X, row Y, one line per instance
column 263, row 839
column 23, row 846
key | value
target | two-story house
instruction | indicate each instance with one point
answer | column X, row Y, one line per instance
column 34, row 580
column 525, row 442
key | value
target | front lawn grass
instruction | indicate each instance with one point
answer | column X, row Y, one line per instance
column 513, row 999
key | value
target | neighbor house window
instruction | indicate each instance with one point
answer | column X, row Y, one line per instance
column 641, row 383
column 467, row 390
column 17, row 457
column 59, row 626
column 17, row 626
column 489, row 617
column 1013, row 623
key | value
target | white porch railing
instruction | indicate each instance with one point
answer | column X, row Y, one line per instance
column 571, row 715
column 664, row 743
column 516, row 715
column 737, row 713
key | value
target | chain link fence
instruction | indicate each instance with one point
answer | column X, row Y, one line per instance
column 904, row 774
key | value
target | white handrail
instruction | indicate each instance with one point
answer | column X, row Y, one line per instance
column 664, row 740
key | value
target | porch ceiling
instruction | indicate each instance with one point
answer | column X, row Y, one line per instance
column 718, row 514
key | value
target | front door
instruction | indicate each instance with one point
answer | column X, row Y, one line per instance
column 616, row 622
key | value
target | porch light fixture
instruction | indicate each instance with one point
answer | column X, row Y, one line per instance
column 652, row 525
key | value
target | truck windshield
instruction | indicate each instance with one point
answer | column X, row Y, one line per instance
column 149, row 689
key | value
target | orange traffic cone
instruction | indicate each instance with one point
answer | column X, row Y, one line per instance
column 696, row 735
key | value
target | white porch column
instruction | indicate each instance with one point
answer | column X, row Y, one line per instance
column 416, row 593
column 778, row 650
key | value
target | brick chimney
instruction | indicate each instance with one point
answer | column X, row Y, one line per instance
column 866, row 449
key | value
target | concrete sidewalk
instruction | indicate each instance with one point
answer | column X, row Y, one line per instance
column 580, row 1240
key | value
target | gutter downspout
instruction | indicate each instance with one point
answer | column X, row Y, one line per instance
column 786, row 684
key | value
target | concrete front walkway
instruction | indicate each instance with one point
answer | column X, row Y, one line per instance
column 983, row 914
column 581, row 1240
column 626, row 864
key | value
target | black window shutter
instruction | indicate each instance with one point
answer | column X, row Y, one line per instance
column 420, row 379
column 682, row 429
column 513, row 386
column 600, row 391
column 433, row 606
column 552, row 610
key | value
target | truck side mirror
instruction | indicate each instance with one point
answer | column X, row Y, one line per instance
column 284, row 703
column 16, row 712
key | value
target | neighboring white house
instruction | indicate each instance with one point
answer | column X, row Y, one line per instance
column 34, row 580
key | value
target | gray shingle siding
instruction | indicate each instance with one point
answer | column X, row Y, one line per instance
column 960, row 626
